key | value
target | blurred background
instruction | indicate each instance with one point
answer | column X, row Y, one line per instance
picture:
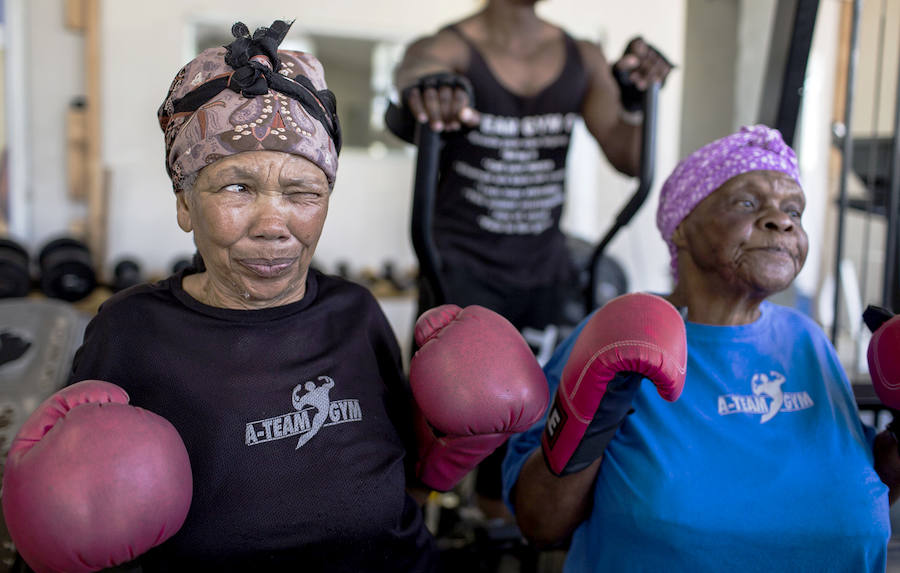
column 82, row 153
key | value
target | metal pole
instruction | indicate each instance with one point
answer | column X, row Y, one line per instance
column 428, row 160
column 846, row 161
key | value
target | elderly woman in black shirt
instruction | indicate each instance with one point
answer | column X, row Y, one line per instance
column 285, row 385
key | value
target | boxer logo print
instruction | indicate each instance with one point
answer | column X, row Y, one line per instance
column 768, row 398
column 313, row 410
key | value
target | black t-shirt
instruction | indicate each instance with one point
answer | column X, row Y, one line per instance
column 295, row 418
column 502, row 185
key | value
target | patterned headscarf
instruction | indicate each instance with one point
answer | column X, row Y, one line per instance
column 753, row 148
column 249, row 96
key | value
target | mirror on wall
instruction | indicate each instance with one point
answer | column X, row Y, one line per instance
column 358, row 69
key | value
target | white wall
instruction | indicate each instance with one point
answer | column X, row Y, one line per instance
column 813, row 143
column 873, row 113
column 53, row 74
column 755, row 20
column 710, row 85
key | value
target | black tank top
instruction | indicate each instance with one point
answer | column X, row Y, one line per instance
column 502, row 184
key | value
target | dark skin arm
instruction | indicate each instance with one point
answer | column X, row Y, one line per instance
column 619, row 138
column 447, row 108
column 887, row 463
column 548, row 508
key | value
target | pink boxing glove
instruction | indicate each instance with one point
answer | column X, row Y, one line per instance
column 92, row 482
column 475, row 382
column 884, row 362
column 631, row 337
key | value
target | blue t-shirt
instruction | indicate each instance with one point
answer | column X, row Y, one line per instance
column 761, row 465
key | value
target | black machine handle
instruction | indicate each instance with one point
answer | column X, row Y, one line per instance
column 428, row 143
column 645, row 182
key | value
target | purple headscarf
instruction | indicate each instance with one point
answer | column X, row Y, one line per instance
column 753, row 148
column 249, row 96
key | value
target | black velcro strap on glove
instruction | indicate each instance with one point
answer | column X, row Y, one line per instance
column 614, row 408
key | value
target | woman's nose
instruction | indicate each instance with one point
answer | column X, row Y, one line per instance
column 270, row 218
column 777, row 220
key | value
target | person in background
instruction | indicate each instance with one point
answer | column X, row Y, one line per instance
column 502, row 182
column 249, row 413
column 762, row 463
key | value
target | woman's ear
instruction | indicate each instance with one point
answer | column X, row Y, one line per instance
column 184, row 211
column 678, row 236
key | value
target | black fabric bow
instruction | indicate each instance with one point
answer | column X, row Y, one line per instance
column 253, row 78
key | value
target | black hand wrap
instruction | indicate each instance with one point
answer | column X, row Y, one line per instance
column 612, row 411
column 399, row 119
column 438, row 81
column 631, row 97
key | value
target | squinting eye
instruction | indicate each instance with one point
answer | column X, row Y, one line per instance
column 235, row 188
column 303, row 195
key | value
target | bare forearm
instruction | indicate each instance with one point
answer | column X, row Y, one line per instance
column 431, row 55
column 623, row 149
column 887, row 463
column 409, row 72
column 548, row 508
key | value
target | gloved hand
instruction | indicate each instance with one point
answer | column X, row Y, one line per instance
column 884, row 361
column 475, row 382
column 92, row 482
column 445, row 100
column 631, row 337
column 640, row 65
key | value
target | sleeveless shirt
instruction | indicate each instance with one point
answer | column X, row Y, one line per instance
column 502, row 185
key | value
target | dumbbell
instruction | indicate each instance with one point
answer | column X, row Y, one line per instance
column 180, row 264
column 195, row 262
column 342, row 269
column 126, row 273
column 66, row 270
column 15, row 276
column 390, row 274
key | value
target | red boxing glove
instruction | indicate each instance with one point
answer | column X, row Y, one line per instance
column 884, row 362
column 92, row 482
column 631, row 337
column 475, row 382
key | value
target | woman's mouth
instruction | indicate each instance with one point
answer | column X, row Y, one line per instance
column 268, row 268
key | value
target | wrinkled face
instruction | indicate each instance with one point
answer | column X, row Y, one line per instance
column 256, row 218
column 746, row 236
